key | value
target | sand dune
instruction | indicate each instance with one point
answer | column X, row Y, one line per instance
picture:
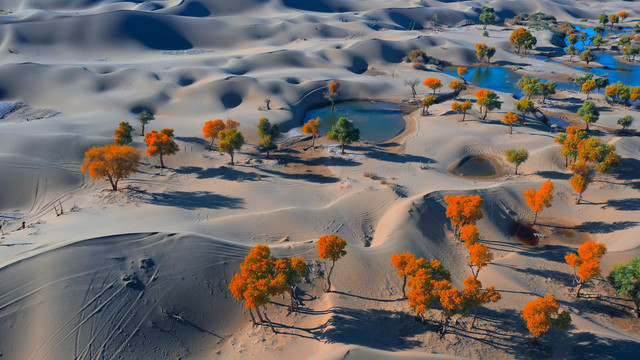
column 143, row 272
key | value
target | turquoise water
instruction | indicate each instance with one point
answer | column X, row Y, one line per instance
column 377, row 121
column 491, row 77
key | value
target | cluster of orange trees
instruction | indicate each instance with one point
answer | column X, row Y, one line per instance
column 521, row 38
column 263, row 276
column 120, row 160
column 588, row 155
column 483, row 51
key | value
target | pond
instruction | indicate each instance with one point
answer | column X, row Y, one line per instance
column 491, row 77
column 377, row 121
column 474, row 166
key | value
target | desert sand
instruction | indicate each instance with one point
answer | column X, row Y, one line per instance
column 142, row 273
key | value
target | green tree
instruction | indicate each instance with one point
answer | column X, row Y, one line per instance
column 588, row 56
column 580, row 80
column 625, row 121
column 488, row 101
column 588, row 113
column 268, row 133
column 548, row 89
column 603, row 19
column 597, row 41
column 602, row 82
column 123, row 134
column 625, row 278
column 145, row 118
column 487, row 16
column 600, row 29
column 517, row 157
column 230, row 140
column 531, row 86
column 572, row 51
column 525, row 106
column 344, row 131
column 489, row 54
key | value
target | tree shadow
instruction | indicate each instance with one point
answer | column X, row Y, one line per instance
column 377, row 329
column 222, row 172
column 194, row 200
column 193, row 140
column 554, row 253
column 554, row 175
column 601, row 227
column 629, row 169
column 310, row 177
column 319, row 161
column 367, row 298
column 587, row 345
column 563, row 279
column 374, row 153
column 625, row 204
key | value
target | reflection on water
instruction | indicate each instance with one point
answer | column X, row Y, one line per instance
column 491, row 77
column 377, row 121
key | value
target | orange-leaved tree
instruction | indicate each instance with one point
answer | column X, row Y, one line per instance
column 538, row 200
column 487, row 101
column 462, row 71
column 588, row 87
column 623, row 15
column 433, row 84
column 211, row 130
column 161, row 143
column 331, row 247
column 312, row 127
column 255, row 283
column 111, row 162
column 333, row 90
column 427, row 103
column 463, row 210
column 583, row 176
column 586, row 263
column 522, row 38
column 542, row 314
column 510, row 118
column 569, row 142
column 451, row 300
column 479, row 257
column 288, row 271
column 462, row 107
column 469, row 234
column 481, row 51
column 423, row 284
column 123, row 134
column 230, row 140
column 406, row 266
column 475, row 297
column 457, row 86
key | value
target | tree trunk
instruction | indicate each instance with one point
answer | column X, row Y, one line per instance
column 579, row 198
column 333, row 263
column 333, row 105
column 252, row 317
column 161, row 161
column 517, row 168
column 269, row 321
column 267, row 152
column 475, row 314
column 464, row 114
column 566, row 161
column 587, row 126
column 293, row 302
column 142, row 129
column 424, row 112
column 511, row 129
column 534, row 340
column 342, row 148
column 535, row 218
column 114, row 185
column 588, row 95
column 444, row 324
column 231, row 154
column 404, row 285
column 544, row 98
column 259, row 315
column 579, row 288
column 313, row 141
column 211, row 144
column 413, row 92
column 635, row 304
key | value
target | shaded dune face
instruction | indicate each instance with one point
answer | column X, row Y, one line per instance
column 152, row 33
